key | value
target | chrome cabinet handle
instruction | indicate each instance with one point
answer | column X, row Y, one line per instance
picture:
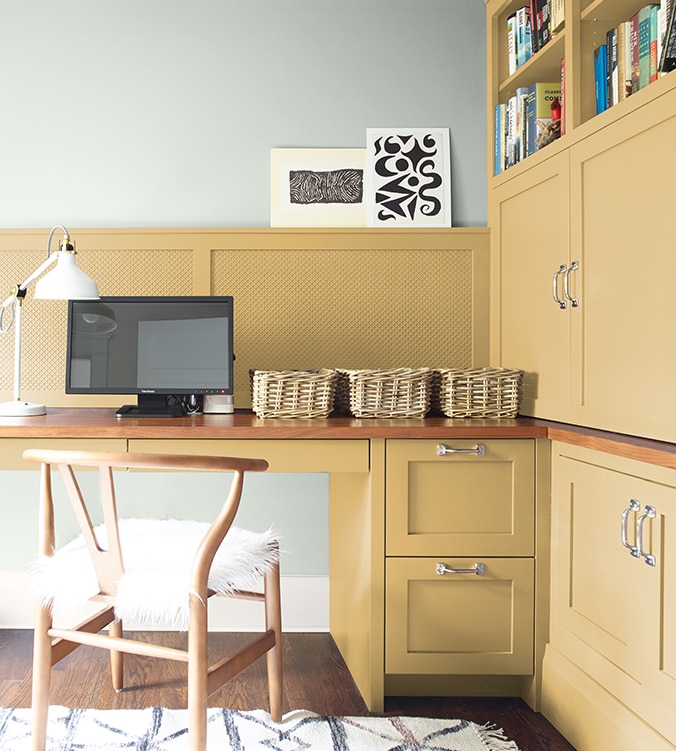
column 479, row 450
column 633, row 507
column 478, row 569
column 574, row 266
column 555, row 286
column 649, row 513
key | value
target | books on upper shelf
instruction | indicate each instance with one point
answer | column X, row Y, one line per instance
column 636, row 52
column 556, row 15
column 526, row 123
column 528, row 31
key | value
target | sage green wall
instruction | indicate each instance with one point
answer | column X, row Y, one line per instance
column 162, row 113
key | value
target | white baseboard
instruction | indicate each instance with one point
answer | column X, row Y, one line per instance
column 305, row 606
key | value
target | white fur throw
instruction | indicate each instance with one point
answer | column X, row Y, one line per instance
column 158, row 556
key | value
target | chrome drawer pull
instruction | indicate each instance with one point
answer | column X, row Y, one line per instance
column 649, row 513
column 478, row 569
column 634, row 506
column 479, row 450
column 574, row 266
column 555, row 287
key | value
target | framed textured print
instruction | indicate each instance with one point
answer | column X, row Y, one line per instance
column 317, row 188
column 408, row 177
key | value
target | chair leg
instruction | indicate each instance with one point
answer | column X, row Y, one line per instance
column 273, row 621
column 42, row 668
column 197, row 674
column 116, row 658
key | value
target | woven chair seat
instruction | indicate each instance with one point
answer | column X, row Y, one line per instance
column 158, row 557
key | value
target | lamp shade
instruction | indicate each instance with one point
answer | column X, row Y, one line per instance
column 66, row 281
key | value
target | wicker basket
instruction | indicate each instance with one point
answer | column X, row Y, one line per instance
column 394, row 392
column 292, row 393
column 480, row 392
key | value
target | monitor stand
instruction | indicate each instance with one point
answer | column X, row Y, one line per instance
column 150, row 405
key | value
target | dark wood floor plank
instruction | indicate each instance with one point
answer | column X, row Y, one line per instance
column 315, row 678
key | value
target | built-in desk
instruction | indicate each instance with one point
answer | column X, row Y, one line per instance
column 352, row 451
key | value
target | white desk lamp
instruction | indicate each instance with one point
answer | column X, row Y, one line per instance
column 64, row 282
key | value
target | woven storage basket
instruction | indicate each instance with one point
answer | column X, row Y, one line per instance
column 393, row 392
column 292, row 393
column 480, row 392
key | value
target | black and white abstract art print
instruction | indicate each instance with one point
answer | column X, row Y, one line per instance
column 318, row 188
column 409, row 177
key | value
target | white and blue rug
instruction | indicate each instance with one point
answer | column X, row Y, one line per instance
column 159, row 729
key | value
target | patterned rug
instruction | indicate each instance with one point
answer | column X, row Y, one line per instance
column 159, row 729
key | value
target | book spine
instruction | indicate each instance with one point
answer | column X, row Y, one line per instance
column 534, row 33
column 653, row 43
column 644, row 47
column 521, row 100
column 563, row 96
column 668, row 59
column 601, row 78
column 557, row 15
column 511, row 44
column 624, row 60
column 613, row 79
column 635, row 72
column 523, row 45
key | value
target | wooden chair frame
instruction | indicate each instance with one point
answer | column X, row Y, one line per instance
column 53, row 644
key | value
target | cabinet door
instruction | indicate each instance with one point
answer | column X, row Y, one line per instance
column 529, row 237
column 460, row 503
column 459, row 623
column 613, row 615
column 622, row 235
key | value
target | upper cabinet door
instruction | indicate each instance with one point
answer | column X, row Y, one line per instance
column 622, row 234
column 530, row 255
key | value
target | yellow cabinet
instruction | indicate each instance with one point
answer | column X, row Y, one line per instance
column 614, row 588
column 460, row 497
column 459, row 572
column 621, row 225
column 531, row 263
column 479, row 621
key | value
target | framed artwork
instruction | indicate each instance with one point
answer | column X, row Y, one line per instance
column 409, row 177
column 317, row 188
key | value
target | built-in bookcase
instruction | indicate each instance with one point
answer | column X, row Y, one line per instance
column 584, row 29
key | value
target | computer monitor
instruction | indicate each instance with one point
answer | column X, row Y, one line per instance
column 168, row 351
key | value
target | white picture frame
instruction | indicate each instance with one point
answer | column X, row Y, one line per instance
column 317, row 187
column 408, row 177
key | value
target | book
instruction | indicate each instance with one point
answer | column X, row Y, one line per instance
column 662, row 21
column 634, row 53
column 653, row 43
column 511, row 44
column 533, row 15
column 644, row 25
column 510, row 133
column 601, row 78
column 521, row 137
column 543, row 115
column 499, row 151
column 556, row 15
column 539, row 15
column 523, row 36
column 668, row 57
column 563, row 96
column 613, row 77
column 624, row 59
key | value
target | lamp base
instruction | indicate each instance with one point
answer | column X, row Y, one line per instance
column 22, row 409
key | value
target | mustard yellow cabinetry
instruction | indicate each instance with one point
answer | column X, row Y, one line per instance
column 460, row 560
column 581, row 264
column 610, row 668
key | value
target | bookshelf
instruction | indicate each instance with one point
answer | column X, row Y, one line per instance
column 585, row 26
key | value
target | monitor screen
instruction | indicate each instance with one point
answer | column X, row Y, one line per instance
column 169, row 351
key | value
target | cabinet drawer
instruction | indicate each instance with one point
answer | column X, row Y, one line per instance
column 459, row 623
column 460, row 503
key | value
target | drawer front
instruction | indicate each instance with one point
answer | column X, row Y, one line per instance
column 460, row 503
column 282, row 455
column 461, row 623
column 11, row 449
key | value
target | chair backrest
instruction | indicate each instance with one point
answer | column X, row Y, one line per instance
column 108, row 561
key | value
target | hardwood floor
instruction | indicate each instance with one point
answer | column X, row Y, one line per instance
column 315, row 679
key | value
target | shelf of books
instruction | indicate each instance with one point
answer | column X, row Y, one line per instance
column 554, row 65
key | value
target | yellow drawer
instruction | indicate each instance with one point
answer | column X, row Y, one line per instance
column 474, row 502
column 282, row 455
column 459, row 623
column 11, row 449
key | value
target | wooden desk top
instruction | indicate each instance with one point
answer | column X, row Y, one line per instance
column 243, row 425
column 102, row 423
